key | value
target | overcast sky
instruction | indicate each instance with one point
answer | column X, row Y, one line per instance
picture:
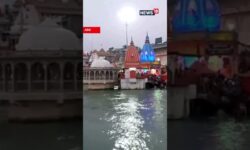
column 103, row 13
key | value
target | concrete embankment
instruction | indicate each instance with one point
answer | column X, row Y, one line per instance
column 33, row 111
column 178, row 101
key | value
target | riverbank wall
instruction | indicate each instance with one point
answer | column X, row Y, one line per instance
column 46, row 107
column 178, row 101
column 132, row 84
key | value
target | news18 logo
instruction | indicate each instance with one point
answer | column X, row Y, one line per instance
column 149, row 12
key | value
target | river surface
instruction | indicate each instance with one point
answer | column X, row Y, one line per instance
column 41, row 136
column 210, row 134
column 125, row 120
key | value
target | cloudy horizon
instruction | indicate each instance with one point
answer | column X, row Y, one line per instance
column 113, row 33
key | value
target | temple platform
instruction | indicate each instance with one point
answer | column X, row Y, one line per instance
column 132, row 84
column 179, row 101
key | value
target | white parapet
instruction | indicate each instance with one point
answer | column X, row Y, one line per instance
column 178, row 101
column 133, row 84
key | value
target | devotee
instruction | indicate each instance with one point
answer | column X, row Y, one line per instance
column 227, row 70
column 172, row 67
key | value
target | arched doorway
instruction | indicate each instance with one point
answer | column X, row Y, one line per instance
column 53, row 74
column 79, row 75
column 68, row 76
column 1, row 78
column 91, row 74
column 102, row 75
column 111, row 75
column 107, row 75
column 97, row 75
column 8, row 77
column 37, row 76
column 21, row 77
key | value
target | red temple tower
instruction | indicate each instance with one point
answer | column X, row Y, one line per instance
column 132, row 60
column 132, row 57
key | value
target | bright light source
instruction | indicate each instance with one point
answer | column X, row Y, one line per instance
column 127, row 14
column 230, row 26
column 158, row 59
column 132, row 69
column 153, row 71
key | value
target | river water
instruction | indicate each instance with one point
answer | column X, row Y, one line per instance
column 125, row 120
column 209, row 134
column 41, row 136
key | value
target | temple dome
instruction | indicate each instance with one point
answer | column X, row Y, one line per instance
column 101, row 63
column 48, row 36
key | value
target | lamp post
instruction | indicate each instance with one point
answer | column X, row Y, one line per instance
column 127, row 15
column 126, row 28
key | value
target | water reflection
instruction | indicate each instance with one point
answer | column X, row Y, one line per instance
column 230, row 135
column 127, row 126
column 212, row 134
column 125, row 120
column 41, row 136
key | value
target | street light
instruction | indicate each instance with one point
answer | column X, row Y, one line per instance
column 127, row 15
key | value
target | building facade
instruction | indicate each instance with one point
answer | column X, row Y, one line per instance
column 161, row 53
column 42, row 78
column 100, row 74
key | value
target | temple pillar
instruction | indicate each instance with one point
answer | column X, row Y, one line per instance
column 103, row 75
column 29, row 76
column 110, row 73
column 61, row 76
column 13, row 76
column 4, row 78
column 75, row 77
column 84, row 75
column 98, row 75
column 88, row 76
column 106, row 75
column 45, row 76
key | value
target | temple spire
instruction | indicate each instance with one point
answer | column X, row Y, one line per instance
column 132, row 42
column 147, row 38
column 147, row 53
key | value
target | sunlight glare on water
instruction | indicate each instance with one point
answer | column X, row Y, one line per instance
column 125, row 120
column 127, row 128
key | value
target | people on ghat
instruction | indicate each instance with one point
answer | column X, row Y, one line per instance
column 227, row 70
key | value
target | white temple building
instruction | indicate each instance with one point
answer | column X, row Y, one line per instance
column 100, row 75
column 42, row 78
column 48, row 36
